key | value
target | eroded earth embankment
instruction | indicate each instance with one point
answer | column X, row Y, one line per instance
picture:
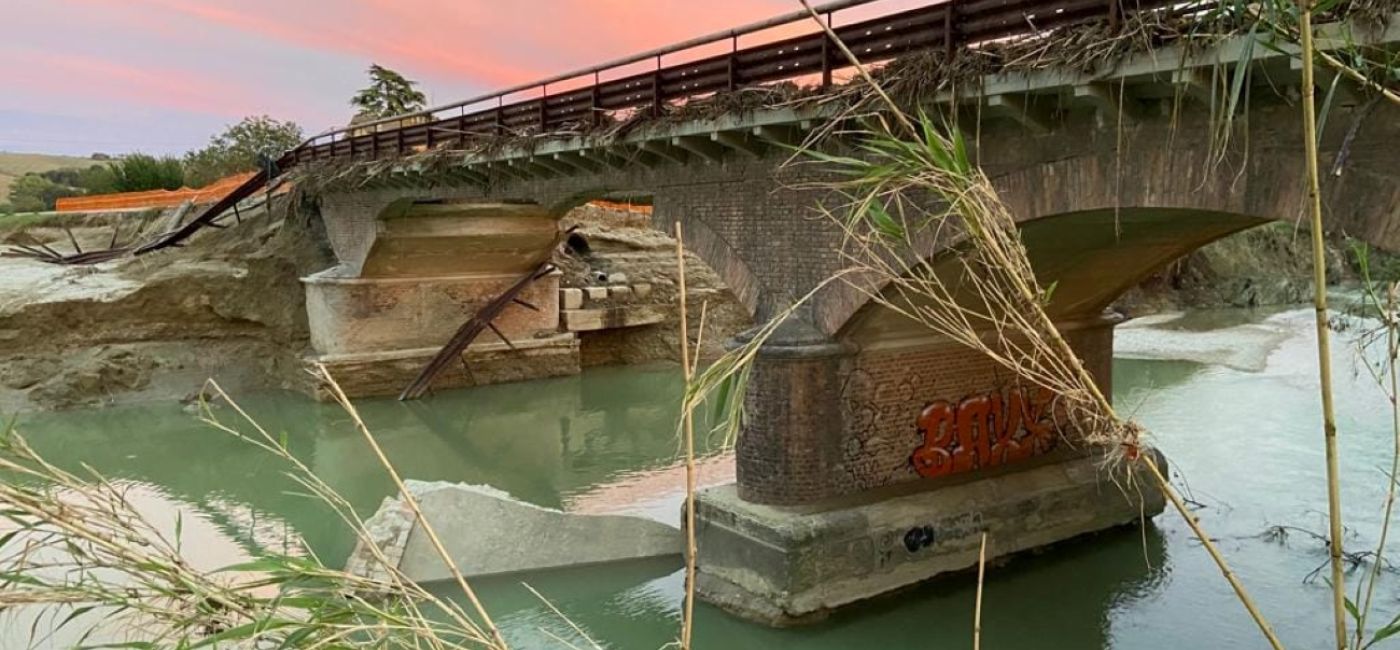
column 230, row 305
column 227, row 306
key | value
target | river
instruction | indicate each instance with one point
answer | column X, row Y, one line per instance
column 1230, row 396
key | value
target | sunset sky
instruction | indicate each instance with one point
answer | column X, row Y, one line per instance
column 82, row 76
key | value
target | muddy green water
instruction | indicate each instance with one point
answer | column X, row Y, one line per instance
column 1240, row 424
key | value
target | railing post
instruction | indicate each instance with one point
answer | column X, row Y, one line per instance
column 656, row 89
column 352, row 144
column 950, row 29
column 500, row 126
column 428, row 132
column 398, row 139
column 1115, row 22
column 826, row 55
column 462, row 127
column 595, row 110
column 734, row 64
column 544, row 107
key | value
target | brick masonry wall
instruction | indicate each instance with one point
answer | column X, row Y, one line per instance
column 828, row 427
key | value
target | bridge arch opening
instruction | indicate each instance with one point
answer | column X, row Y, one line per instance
column 1092, row 258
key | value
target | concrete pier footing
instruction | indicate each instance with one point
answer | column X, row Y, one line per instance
column 785, row 565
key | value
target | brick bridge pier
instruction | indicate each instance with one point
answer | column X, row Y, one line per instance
column 874, row 455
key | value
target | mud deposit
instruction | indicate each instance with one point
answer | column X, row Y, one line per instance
column 227, row 306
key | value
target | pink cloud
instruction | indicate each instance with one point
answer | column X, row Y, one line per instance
column 70, row 75
column 477, row 43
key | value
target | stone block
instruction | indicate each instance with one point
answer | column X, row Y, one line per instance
column 642, row 290
column 620, row 292
column 592, row 320
column 596, row 294
column 571, row 298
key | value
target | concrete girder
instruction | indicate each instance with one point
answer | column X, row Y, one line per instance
column 504, row 168
column 573, row 159
column 1111, row 99
column 603, row 158
column 778, row 135
column 529, row 168
column 468, row 174
column 1326, row 78
column 634, row 155
column 1195, row 83
column 664, row 150
column 738, row 142
column 705, row 148
column 1016, row 107
column 552, row 165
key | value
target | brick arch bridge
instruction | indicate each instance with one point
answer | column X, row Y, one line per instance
column 874, row 454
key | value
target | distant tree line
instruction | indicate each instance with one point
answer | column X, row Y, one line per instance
column 242, row 147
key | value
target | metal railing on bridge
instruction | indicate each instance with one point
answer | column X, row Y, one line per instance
column 590, row 98
column 947, row 25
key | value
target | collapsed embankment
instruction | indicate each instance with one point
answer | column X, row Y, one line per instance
column 230, row 305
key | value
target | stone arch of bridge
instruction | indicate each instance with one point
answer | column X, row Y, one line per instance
column 1091, row 256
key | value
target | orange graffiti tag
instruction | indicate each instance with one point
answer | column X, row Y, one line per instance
column 984, row 431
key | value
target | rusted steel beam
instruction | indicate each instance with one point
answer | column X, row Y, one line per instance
column 478, row 323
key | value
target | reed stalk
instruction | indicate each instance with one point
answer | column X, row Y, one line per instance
column 977, row 607
column 688, row 418
column 993, row 303
column 1324, row 347
column 1389, row 378
column 498, row 641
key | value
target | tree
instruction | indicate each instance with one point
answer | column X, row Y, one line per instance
column 97, row 179
column 34, row 193
column 388, row 94
column 239, row 149
column 139, row 172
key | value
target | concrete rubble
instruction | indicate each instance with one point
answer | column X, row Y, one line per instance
column 489, row 532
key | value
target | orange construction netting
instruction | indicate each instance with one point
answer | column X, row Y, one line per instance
column 153, row 198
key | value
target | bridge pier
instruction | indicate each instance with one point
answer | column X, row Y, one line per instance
column 402, row 290
column 876, row 461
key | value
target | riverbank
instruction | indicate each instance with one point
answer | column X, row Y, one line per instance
column 231, row 305
column 1267, row 266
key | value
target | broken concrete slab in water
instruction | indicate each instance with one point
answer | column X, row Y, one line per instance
column 489, row 532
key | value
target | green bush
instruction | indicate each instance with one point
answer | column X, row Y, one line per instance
column 139, row 172
column 35, row 193
column 238, row 148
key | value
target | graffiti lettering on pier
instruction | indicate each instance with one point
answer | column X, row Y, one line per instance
column 984, row 431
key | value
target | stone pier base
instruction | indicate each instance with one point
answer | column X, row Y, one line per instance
column 789, row 565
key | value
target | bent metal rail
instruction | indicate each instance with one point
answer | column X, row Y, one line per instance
column 949, row 25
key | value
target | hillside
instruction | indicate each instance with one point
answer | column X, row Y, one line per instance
column 14, row 165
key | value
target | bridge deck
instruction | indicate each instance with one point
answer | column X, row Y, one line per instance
column 560, row 133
